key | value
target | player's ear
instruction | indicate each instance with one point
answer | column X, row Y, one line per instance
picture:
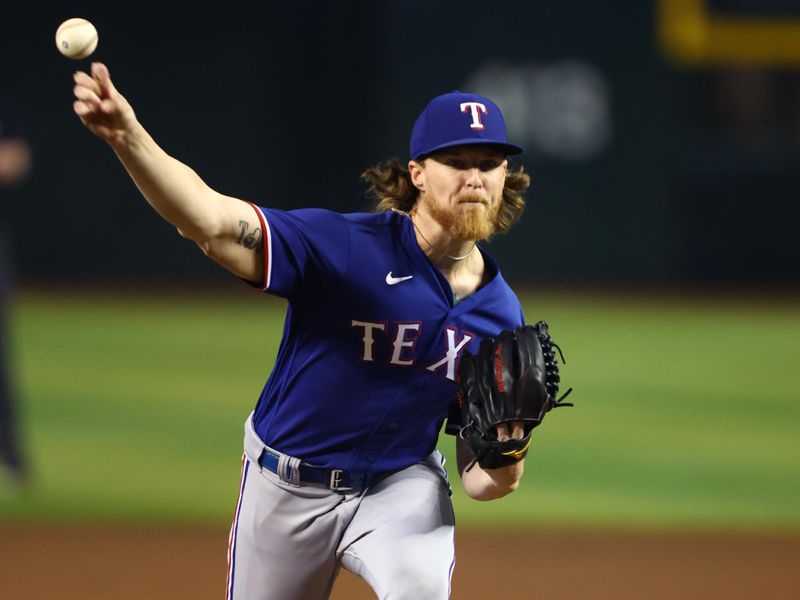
column 416, row 171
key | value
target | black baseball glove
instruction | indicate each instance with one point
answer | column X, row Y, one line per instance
column 513, row 377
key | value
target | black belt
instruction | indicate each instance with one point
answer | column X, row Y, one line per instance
column 333, row 479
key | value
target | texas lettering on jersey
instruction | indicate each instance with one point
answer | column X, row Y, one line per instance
column 404, row 342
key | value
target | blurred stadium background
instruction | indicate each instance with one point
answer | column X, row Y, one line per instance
column 663, row 139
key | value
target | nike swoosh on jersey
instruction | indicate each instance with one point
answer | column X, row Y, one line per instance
column 390, row 280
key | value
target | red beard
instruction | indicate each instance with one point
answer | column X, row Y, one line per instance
column 472, row 223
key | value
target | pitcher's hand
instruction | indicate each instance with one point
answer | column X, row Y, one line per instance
column 103, row 110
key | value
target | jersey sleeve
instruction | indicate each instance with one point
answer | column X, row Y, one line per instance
column 302, row 249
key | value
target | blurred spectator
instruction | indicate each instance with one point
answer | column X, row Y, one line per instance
column 15, row 164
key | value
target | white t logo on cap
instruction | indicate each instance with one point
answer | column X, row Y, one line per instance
column 476, row 114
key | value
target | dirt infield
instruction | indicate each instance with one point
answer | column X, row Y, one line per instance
column 122, row 563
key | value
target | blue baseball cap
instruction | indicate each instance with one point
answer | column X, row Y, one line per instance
column 458, row 119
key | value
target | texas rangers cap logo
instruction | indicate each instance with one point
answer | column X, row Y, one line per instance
column 475, row 109
column 459, row 119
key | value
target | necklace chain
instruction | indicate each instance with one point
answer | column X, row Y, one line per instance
column 422, row 235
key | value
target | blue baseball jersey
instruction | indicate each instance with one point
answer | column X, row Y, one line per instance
column 365, row 373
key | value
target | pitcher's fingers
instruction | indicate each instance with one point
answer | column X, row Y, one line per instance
column 86, row 81
column 517, row 430
column 103, row 78
column 502, row 432
column 108, row 107
column 81, row 108
column 86, row 95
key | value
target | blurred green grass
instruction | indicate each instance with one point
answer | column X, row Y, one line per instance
column 687, row 411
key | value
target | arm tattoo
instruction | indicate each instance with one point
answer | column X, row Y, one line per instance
column 251, row 240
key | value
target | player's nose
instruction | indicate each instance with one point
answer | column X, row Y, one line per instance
column 474, row 178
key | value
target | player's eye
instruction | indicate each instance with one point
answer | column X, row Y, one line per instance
column 488, row 165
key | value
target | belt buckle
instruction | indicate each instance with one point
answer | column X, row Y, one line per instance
column 335, row 481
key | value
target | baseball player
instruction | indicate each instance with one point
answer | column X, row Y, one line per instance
column 16, row 157
column 340, row 466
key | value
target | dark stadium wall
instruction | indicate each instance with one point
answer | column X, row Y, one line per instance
column 639, row 175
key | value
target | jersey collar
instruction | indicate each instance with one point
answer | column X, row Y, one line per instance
column 423, row 265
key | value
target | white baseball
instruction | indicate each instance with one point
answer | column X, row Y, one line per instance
column 76, row 38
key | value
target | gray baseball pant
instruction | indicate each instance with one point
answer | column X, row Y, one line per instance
column 288, row 542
